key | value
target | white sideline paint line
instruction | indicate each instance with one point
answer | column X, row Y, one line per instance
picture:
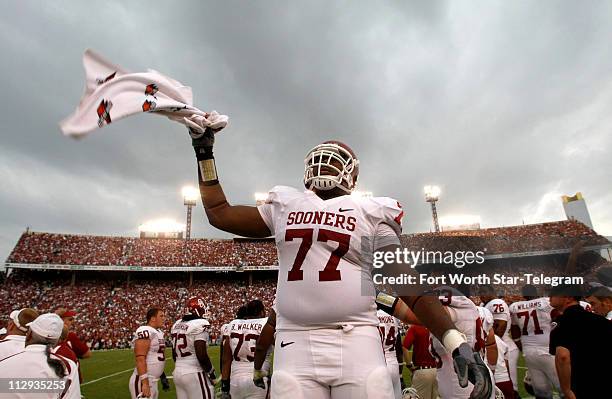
column 106, row 376
column 169, row 377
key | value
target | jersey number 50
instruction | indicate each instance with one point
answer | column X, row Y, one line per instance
column 331, row 272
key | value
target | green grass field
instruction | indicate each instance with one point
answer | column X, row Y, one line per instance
column 106, row 374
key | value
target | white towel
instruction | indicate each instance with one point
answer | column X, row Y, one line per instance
column 112, row 93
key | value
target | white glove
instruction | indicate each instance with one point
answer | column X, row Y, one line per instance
column 199, row 123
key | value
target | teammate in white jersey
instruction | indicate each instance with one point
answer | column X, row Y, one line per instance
column 488, row 335
column 389, row 331
column 501, row 316
column 464, row 313
column 531, row 321
column 326, row 321
column 239, row 355
column 240, row 314
column 149, row 345
column 194, row 373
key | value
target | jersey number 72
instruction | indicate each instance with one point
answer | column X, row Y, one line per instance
column 330, row 272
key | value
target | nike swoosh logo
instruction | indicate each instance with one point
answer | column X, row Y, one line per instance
column 345, row 209
column 285, row 344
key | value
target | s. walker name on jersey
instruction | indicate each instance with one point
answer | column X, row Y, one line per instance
column 322, row 218
column 247, row 326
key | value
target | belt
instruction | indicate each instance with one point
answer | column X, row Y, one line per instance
column 423, row 367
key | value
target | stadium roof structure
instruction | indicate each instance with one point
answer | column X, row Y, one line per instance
column 36, row 250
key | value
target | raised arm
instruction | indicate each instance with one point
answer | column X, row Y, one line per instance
column 236, row 219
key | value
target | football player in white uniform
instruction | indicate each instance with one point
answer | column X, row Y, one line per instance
column 240, row 314
column 488, row 335
column 239, row 352
column 149, row 346
column 389, row 331
column 531, row 321
column 194, row 373
column 501, row 316
column 466, row 317
column 325, row 318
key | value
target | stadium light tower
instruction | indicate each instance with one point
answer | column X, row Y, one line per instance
column 190, row 196
column 432, row 194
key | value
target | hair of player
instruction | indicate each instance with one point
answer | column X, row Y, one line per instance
column 241, row 313
column 56, row 365
column 567, row 290
column 529, row 290
column 152, row 312
column 255, row 308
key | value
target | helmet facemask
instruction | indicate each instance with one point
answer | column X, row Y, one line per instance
column 328, row 166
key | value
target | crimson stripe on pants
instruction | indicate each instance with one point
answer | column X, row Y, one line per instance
column 136, row 384
column 204, row 393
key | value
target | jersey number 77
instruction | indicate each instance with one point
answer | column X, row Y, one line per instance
column 330, row 272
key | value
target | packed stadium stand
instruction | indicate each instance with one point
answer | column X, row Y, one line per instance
column 111, row 281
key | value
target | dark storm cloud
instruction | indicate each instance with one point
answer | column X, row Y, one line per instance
column 505, row 105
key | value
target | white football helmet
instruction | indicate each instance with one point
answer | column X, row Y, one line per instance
column 410, row 393
column 499, row 394
column 329, row 165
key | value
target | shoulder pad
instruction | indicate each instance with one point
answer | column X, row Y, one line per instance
column 280, row 193
column 384, row 210
column 198, row 326
column 145, row 332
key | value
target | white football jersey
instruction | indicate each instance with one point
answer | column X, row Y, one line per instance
column 533, row 318
column 501, row 370
column 224, row 331
column 243, row 335
column 184, row 335
column 389, row 328
column 324, row 273
column 500, row 311
column 466, row 317
column 156, row 357
column 487, row 323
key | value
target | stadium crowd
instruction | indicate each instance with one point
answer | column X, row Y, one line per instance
column 512, row 239
column 109, row 311
column 43, row 248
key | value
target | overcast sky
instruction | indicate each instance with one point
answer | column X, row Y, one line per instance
column 505, row 105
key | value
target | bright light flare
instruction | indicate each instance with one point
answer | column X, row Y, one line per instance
column 162, row 226
column 190, row 193
column 432, row 193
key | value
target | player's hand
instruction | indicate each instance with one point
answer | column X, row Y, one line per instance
column 569, row 394
column 202, row 129
column 258, row 378
column 146, row 389
column 211, row 374
column 470, row 366
column 164, row 382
